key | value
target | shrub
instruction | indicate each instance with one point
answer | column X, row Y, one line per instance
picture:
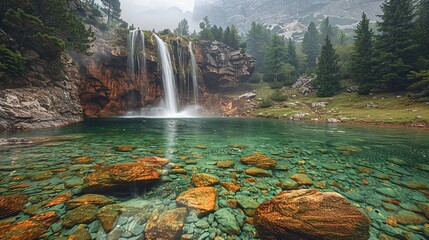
column 275, row 85
column 265, row 103
column 278, row 96
column 256, row 78
column 11, row 64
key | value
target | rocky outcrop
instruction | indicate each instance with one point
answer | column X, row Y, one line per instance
column 221, row 66
column 41, row 101
column 310, row 214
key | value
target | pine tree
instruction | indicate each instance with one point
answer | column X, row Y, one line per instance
column 422, row 32
column 275, row 60
column 112, row 8
column 327, row 82
column 291, row 57
column 310, row 45
column 326, row 30
column 362, row 63
column 257, row 40
column 235, row 37
column 182, row 28
column 396, row 47
column 206, row 33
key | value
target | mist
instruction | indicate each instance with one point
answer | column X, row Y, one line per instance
column 159, row 14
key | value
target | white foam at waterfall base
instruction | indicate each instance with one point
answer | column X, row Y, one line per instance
column 191, row 111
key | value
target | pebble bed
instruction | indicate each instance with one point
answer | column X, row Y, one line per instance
column 383, row 172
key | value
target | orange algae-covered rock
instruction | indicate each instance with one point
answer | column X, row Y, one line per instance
column 12, row 204
column 28, row 229
column 167, row 225
column 202, row 200
column 119, row 175
column 204, row 179
column 310, row 214
column 259, row 160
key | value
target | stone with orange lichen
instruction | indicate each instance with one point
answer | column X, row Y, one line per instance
column 19, row 186
column 83, row 214
column 40, row 176
column 301, row 179
column 405, row 217
column 225, row 164
column 204, row 179
column 258, row 172
column 230, row 186
column 107, row 216
column 94, row 199
column 310, row 214
column 167, row 225
column 259, row 160
column 12, row 204
column 201, row 200
column 60, row 199
column 28, row 229
column 120, row 176
column 125, row 148
column 83, row 160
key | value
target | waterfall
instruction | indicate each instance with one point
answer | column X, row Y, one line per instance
column 136, row 53
column 168, row 79
column 194, row 74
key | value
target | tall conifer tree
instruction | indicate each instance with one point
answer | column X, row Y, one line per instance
column 292, row 58
column 362, row 63
column 310, row 45
column 396, row 47
column 275, row 60
column 327, row 82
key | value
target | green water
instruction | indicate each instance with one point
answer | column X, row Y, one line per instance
column 331, row 156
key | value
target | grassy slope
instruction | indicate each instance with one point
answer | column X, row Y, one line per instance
column 391, row 108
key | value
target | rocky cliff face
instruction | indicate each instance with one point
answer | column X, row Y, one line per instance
column 285, row 16
column 107, row 88
column 45, row 96
column 222, row 66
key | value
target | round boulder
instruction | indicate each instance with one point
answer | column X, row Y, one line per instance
column 310, row 214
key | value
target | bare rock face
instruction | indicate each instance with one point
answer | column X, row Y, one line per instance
column 42, row 102
column 310, row 214
column 223, row 66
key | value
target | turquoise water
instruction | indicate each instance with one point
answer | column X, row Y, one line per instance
column 368, row 165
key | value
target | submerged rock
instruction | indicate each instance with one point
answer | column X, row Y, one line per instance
column 167, row 225
column 248, row 204
column 310, row 214
column 60, row 199
column 258, row 172
column 204, row 179
column 302, row 179
column 83, row 214
column 201, row 200
column 28, row 229
column 12, row 204
column 259, row 160
column 94, row 199
column 227, row 222
column 107, row 216
column 120, row 176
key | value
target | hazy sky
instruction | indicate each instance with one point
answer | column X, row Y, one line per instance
column 185, row 5
column 157, row 14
